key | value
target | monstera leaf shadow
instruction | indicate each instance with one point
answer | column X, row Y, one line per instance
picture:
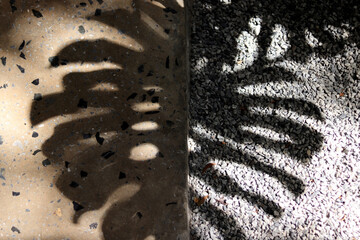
column 302, row 138
column 298, row 18
column 93, row 145
column 303, row 141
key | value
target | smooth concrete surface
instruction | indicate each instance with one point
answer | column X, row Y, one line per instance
column 93, row 120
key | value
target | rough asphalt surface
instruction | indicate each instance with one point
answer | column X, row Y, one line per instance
column 274, row 119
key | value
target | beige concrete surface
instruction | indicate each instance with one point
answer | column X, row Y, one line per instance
column 93, row 120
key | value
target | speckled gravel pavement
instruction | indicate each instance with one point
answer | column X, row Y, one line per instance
column 274, row 119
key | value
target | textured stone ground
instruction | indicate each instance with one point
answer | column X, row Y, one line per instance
column 274, row 120
column 93, row 120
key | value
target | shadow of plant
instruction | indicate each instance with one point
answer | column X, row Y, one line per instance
column 94, row 150
column 226, row 113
